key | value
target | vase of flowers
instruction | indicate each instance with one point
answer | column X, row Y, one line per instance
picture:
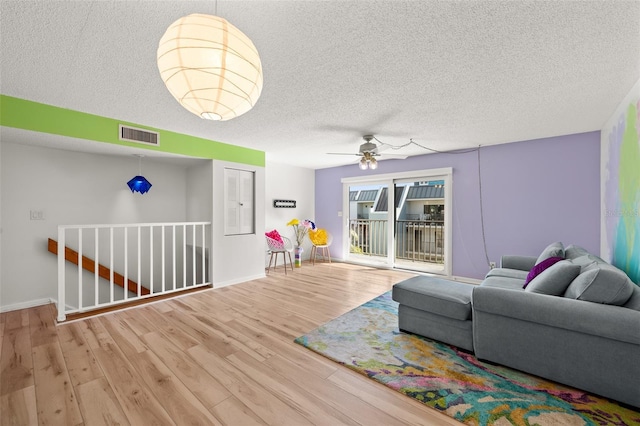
column 300, row 230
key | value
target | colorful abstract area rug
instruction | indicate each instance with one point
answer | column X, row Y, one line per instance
column 367, row 340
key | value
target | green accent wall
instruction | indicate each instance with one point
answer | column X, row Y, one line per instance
column 29, row 115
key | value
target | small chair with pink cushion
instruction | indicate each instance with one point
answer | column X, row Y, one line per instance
column 279, row 244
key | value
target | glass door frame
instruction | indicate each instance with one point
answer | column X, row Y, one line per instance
column 390, row 179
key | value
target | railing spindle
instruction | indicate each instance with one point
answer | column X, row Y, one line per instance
column 126, row 263
column 151, row 259
column 96, row 238
column 175, row 270
column 139, row 265
column 62, row 282
column 193, row 253
column 80, row 269
column 204, row 247
column 184, row 256
column 163, row 262
column 111, row 265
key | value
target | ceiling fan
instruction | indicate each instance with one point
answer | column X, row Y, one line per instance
column 368, row 151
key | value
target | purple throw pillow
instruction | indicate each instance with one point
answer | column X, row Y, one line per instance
column 537, row 270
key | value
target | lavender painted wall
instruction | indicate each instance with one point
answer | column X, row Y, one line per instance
column 534, row 193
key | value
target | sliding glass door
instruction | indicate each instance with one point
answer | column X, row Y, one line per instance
column 400, row 220
column 368, row 226
column 419, row 224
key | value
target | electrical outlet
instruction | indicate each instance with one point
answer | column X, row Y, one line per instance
column 36, row 215
column 492, row 265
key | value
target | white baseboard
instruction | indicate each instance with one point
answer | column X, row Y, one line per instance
column 25, row 305
column 467, row 280
column 238, row 281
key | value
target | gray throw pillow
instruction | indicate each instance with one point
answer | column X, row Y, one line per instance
column 584, row 261
column 552, row 250
column 572, row 251
column 601, row 283
column 555, row 279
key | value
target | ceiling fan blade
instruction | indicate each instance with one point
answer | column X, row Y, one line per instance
column 381, row 148
column 392, row 156
column 341, row 153
column 377, row 150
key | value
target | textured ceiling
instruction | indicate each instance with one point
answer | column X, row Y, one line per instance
column 447, row 74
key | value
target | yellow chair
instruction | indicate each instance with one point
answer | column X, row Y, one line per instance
column 275, row 247
column 321, row 239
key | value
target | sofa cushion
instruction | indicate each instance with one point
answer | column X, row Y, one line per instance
column 601, row 283
column 572, row 251
column 539, row 268
column 634, row 300
column 503, row 282
column 508, row 273
column 555, row 279
column 552, row 250
column 436, row 295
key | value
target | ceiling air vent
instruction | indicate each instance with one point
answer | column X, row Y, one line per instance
column 131, row 134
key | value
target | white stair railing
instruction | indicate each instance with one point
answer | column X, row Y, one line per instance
column 148, row 259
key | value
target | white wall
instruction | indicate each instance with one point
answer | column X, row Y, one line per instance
column 284, row 182
column 70, row 188
column 199, row 193
column 200, row 203
column 236, row 258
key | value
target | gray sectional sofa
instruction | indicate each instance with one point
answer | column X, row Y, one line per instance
column 577, row 320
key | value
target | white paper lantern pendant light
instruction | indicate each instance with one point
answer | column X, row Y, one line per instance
column 210, row 67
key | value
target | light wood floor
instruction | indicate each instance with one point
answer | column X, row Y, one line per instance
column 222, row 356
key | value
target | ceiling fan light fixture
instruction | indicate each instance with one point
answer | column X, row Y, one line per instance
column 363, row 164
column 373, row 164
column 367, row 153
column 210, row 67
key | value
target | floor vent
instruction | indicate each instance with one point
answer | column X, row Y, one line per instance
column 131, row 134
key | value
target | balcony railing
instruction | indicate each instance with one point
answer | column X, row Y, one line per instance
column 420, row 240
column 416, row 240
column 148, row 259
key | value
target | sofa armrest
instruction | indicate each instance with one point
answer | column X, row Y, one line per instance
column 613, row 322
column 523, row 263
